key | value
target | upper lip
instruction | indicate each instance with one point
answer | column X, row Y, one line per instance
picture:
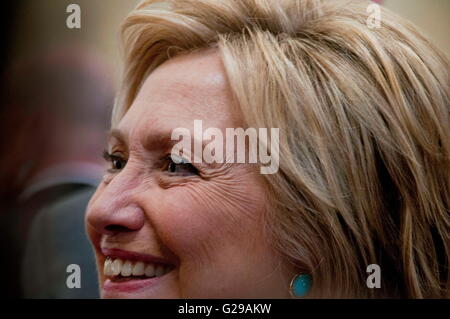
column 134, row 256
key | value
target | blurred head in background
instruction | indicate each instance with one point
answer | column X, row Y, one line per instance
column 56, row 111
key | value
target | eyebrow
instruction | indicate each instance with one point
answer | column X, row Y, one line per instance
column 156, row 140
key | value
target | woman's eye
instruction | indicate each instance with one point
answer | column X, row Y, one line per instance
column 117, row 162
column 179, row 166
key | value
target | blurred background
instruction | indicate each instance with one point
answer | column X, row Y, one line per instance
column 56, row 91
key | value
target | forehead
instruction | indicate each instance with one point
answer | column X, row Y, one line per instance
column 186, row 88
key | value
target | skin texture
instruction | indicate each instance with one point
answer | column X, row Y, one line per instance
column 210, row 225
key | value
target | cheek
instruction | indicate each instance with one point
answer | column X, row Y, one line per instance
column 216, row 230
column 204, row 218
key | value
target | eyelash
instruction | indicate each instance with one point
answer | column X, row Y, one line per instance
column 170, row 166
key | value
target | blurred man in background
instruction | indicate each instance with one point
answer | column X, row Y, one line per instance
column 54, row 119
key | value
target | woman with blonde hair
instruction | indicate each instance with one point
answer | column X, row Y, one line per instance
column 364, row 155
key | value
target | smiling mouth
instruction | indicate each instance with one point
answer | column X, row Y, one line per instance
column 119, row 270
column 124, row 266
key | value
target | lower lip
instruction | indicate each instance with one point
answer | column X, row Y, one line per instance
column 130, row 285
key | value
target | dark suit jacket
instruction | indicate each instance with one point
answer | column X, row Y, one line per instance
column 57, row 239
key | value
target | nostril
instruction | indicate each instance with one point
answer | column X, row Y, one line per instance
column 116, row 228
column 107, row 218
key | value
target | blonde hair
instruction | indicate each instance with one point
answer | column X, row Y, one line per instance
column 364, row 120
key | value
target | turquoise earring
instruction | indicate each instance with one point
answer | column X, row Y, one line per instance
column 300, row 285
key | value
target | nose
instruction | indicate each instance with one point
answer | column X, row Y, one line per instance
column 110, row 215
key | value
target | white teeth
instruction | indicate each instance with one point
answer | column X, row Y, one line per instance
column 150, row 270
column 117, row 267
column 127, row 268
column 139, row 269
column 159, row 270
column 107, row 269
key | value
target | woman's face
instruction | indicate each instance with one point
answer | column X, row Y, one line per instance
column 181, row 230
